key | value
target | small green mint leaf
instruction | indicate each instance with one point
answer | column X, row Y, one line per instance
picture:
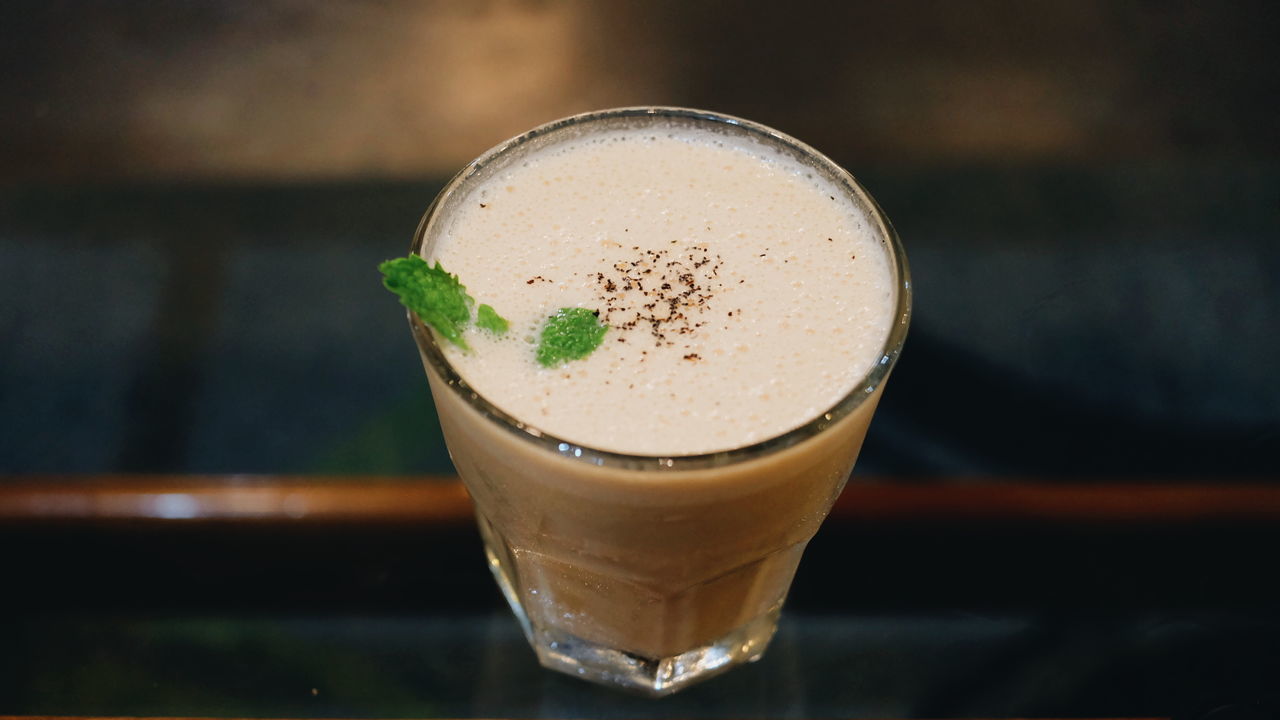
column 435, row 296
column 571, row 334
column 489, row 319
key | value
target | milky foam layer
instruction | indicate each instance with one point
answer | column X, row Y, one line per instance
column 745, row 295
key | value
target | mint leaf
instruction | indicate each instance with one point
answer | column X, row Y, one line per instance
column 435, row 296
column 570, row 334
column 489, row 319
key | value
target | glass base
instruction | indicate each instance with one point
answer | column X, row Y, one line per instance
column 559, row 650
column 652, row 676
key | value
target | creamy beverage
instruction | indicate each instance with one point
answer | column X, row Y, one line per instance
column 644, row 507
column 744, row 296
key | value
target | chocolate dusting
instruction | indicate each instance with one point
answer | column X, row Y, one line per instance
column 663, row 292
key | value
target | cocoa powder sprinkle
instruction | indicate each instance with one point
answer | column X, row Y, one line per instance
column 683, row 285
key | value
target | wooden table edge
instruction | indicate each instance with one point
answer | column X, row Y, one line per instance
column 442, row 500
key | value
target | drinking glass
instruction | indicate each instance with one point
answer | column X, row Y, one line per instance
column 649, row 572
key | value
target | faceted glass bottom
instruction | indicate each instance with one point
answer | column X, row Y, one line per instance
column 653, row 676
column 559, row 650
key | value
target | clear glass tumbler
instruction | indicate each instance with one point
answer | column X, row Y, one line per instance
column 649, row 572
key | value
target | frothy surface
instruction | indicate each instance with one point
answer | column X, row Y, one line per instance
column 745, row 295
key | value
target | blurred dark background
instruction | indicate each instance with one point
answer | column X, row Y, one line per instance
column 193, row 199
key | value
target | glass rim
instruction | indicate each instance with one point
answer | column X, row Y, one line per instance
column 864, row 389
